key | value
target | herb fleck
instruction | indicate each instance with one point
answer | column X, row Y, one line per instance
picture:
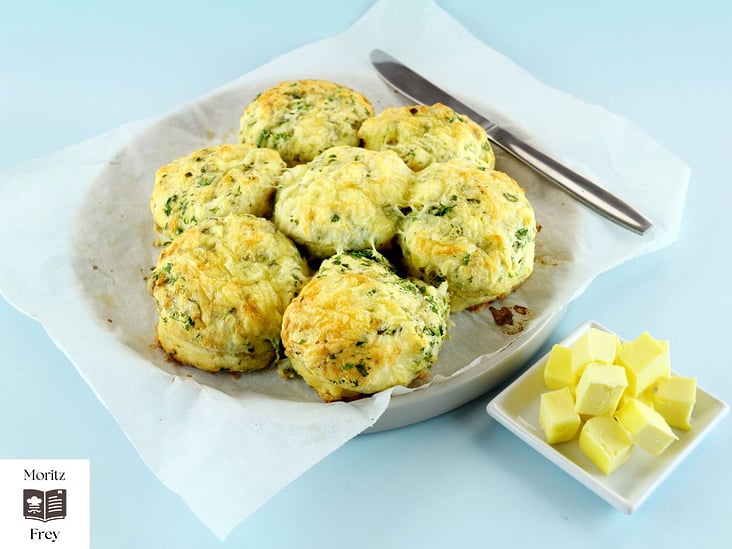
column 440, row 210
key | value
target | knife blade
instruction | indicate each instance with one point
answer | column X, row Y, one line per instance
column 599, row 199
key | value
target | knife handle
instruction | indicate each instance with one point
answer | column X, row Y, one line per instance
column 584, row 190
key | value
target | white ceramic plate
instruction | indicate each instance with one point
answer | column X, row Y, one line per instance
column 517, row 408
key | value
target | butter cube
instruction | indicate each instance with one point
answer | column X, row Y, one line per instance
column 558, row 369
column 646, row 427
column 606, row 443
column 646, row 360
column 646, row 397
column 557, row 416
column 593, row 346
column 599, row 389
column 674, row 400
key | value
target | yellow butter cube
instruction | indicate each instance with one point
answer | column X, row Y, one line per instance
column 599, row 389
column 646, row 360
column 606, row 443
column 674, row 399
column 646, row 397
column 593, row 346
column 647, row 428
column 557, row 416
column 558, row 369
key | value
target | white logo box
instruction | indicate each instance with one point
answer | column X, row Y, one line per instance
column 44, row 503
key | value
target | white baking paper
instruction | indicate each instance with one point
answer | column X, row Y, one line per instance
column 77, row 240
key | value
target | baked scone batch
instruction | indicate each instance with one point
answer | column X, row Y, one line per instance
column 276, row 247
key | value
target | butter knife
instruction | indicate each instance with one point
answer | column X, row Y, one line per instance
column 420, row 90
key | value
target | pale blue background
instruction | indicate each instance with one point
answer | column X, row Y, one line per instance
column 71, row 70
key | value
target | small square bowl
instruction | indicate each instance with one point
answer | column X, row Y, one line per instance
column 517, row 408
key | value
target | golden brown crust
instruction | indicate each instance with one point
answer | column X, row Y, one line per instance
column 422, row 134
column 347, row 198
column 358, row 328
column 214, row 182
column 302, row 118
column 221, row 288
column 471, row 227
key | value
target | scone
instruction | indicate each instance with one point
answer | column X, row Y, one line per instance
column 347, row 198
column 421, row 135
column 302, row 118
column 471, row 227
column 357, row 328
column 220, row 289
column 214, row 182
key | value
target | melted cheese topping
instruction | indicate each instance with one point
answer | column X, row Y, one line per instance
column 347, row 198
column 221, row 288
column 214, row 182
column 358, row 328
column 421, row 135
column 300, row 119
column 471, row 227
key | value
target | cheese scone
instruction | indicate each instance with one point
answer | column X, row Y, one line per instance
column 220, row 289
column 471, row 227
column 302, row 118
column 214, row 182
column 421, row 135
column 357, row 328
column 347, row 198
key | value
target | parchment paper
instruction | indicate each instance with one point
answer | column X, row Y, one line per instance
column 85, row 245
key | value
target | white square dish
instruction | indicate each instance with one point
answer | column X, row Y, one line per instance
column 517, row 408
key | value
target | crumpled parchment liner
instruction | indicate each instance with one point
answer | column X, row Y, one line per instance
column 77, row 236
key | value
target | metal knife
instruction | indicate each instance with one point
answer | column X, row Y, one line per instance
column 420, row 90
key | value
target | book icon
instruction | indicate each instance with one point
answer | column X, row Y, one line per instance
column 44, row 506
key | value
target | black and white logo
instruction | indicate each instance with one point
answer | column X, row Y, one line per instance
column 44, row 505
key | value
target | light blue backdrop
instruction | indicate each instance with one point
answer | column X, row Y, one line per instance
column 71, row 70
